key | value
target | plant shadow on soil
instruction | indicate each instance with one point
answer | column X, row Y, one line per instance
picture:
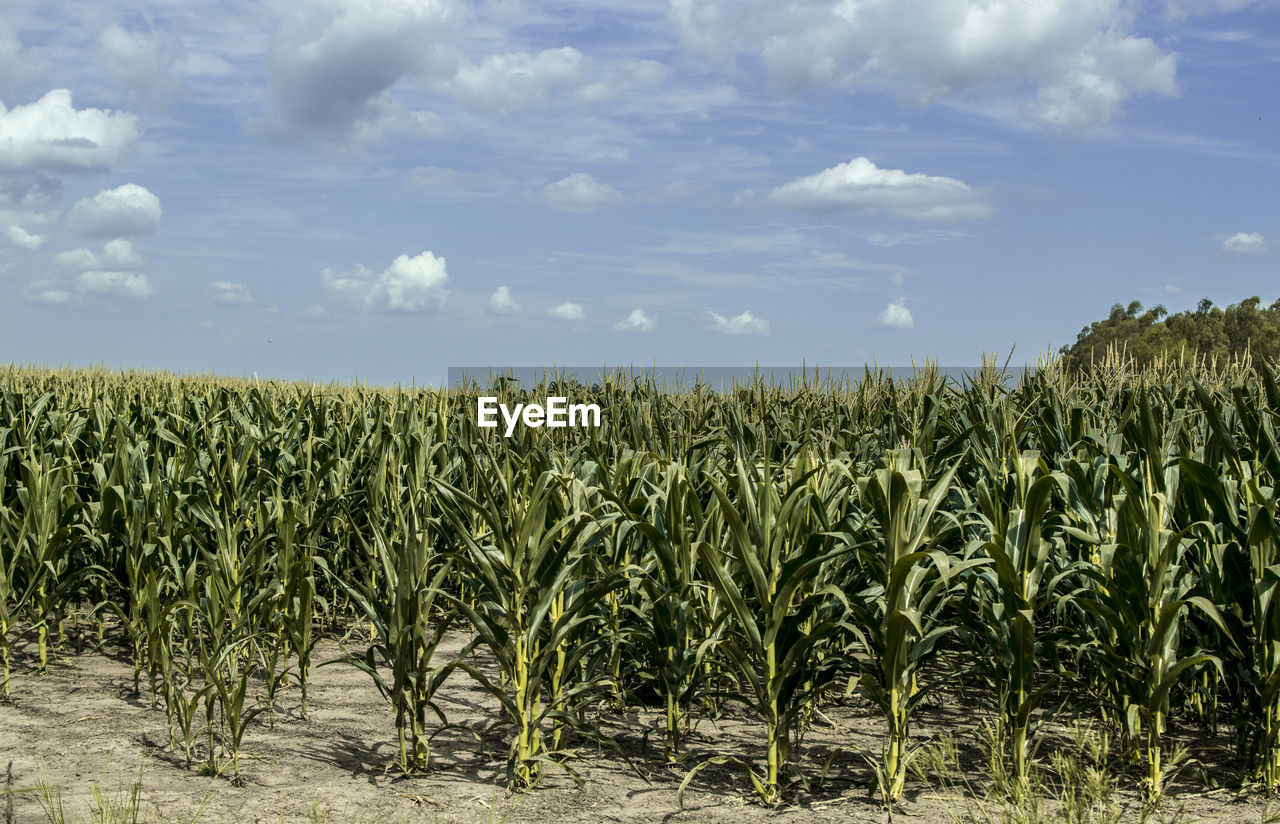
column 80, row 728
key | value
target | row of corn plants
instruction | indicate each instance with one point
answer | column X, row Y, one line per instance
column 1101, row 545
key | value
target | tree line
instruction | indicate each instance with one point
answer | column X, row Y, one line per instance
column 1208, row 331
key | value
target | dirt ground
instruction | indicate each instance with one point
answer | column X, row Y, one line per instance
column 79, row 729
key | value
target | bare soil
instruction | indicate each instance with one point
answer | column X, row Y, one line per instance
column 80, row 728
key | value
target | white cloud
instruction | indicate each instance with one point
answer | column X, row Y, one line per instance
column 337, row 66
column 386, row 116
column 628, row 80
column 116, row 254
column 1245, row 243
column 510, row 81
column 637, row 321
column 897, row 316
column 501, row 302
column 78, row 273
column 141, row 63
column 860, row 184
column 120, row 254
column 407, row 285
column 116, row 284
column 225, row 291
column 579, row 192
column 502, row 82
column 567, row 311
column 77, row 259
column 744, row 324
column 333, row 62
column 126, row 210
column 51, row 134
column 47, row 292
column 1064, row 63
column 21, row 237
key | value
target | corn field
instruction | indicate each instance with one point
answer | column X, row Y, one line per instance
column 1103, row 546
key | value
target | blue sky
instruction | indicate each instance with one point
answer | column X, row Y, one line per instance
column 379, row 189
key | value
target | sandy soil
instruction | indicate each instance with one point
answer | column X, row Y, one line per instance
column 80, row 727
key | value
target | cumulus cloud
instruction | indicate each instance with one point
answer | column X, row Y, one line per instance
column 860, row 184
column 501, row 302
column 21, row 237
column 115, row 284
column 504, row 82
column 744, row 324
column 386, row 116
column 637, row 321
column 80, row 273
column 47, row 292
column 116, row 254
column 567, row 311
column 1066, row 64
column 120, row 254
column 51, row 134
column 30, row 206
column 408, row 285
column 336, row 66
column 897, row 316
column 225, row 291
column 77, row 259
column 1245, row 243
column 126, row 210
column 333, row 62
column 140, row 63
column 579, row 192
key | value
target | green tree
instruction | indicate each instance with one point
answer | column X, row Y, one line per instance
column 1206, row 331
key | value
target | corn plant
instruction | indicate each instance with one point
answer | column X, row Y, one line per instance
column 899, row 614
column 296, row 600
column 1241, row 570
column 1012, row 596
column 43, row 537
column 228, row 677
column 778, row 616
column 11, row 600
column 395, row 589
column 1143, row 591
column 669, row 624
column 526, row 597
